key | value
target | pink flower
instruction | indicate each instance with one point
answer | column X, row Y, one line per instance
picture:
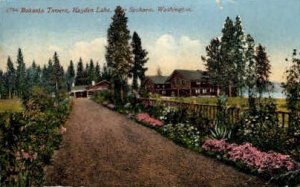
column 250, row 156
column 146, row 118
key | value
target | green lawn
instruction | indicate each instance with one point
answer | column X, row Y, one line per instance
column 11, row 105
column 233, row 101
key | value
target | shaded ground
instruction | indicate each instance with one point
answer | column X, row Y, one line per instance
column 104, row 148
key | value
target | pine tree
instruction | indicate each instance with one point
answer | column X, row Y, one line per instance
column 118, row 53
column 106, row 73
column 250, row 72
column 98, row 73
column 140, row 58
column 214, row 64
column 91, row 72
column 80, row 74
column 58, row 74
column 292, row 91
column 2, row 84
column 158, row 72
column 70, row 75
column 20, row 74
column 238, row 57
column 10, row 78
column 263, row 70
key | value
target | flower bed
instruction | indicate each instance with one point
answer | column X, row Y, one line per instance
column 147, row 119
column 270, row 163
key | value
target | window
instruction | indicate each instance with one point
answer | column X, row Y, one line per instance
column 204, row 91
column 198, row 83
column 163, row 92
column 157, row 86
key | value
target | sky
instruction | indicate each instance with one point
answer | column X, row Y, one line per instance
column 174, row 40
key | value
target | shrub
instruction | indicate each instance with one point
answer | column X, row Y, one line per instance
column 270, row 163
column 145, row 118
column 183, row 134
column 28, row 139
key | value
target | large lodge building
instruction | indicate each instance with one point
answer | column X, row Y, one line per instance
column 181, row 83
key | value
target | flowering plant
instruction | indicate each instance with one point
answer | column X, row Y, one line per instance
column 264, row 162
column 146, row 118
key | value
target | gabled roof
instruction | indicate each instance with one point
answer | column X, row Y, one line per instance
column 79, row 88
column 158, row 79
column 190, row 74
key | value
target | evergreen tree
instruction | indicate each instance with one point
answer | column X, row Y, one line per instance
column 292, row 88
column 106, row 73
column 263, row 70
column 32, row 75
column 80, row 74
column 158, row 72
column 214, row 64
column 250, row 72
column 2, row 84
column 98, row 73
column 118, row 53
column 140, row 58
column 20, row 74
column 70, row 75
column 58, row 74
column 238, row 57
column 11, row 78
column 92, row 72
column 227, row 53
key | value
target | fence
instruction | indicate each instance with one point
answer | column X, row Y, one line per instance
column 210, row 111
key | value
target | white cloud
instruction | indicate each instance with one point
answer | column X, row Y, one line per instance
column 170, row 53
column 94, row 49
column 219, row 3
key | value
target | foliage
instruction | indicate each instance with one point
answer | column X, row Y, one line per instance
column 70, row 75
column 220, row 132
column 292, row 91
column 263, row 70
column 139, row 60
column 29, row 138
column 118, row 54
column 183, row 134
column 261, row 129
column 270, row 163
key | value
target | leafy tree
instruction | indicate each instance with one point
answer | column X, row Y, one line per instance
column 250, row 72
column 11, row 78
column 140, row 58
column 80, row 74
column 118, row 53
column 70, row 75
column 263, row 70
column 98, row 73
column 20, row 74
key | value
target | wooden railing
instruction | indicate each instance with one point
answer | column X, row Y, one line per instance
column 210, row 111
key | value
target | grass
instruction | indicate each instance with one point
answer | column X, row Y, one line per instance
column 10, row 105
column 232, row 101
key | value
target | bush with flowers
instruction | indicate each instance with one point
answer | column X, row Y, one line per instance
column 269, row 164
column 148, row 120
column 28, row 139
column 183, row 134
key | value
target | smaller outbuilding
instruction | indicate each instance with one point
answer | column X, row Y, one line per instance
column 87, row 91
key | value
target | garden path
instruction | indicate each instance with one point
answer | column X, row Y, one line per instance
column 104, row 148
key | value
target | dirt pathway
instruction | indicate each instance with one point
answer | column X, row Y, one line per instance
column 104, row 148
